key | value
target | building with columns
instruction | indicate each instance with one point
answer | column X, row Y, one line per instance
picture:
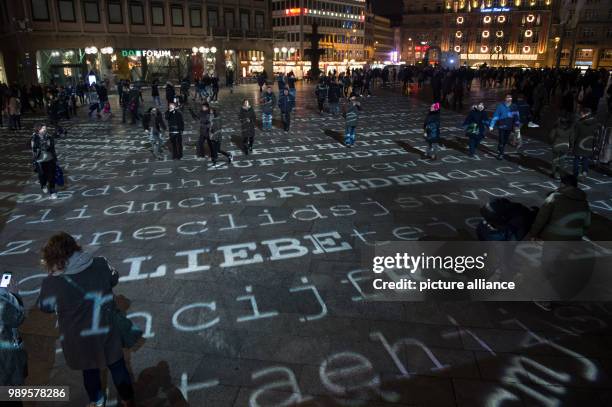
column 62, row 40
column 498, row 32
column 341, row 25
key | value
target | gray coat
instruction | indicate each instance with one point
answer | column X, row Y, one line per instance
column 13, row 358
column 73, row 295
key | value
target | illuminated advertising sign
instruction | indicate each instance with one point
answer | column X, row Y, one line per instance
column 494, row 9
column 145, row 53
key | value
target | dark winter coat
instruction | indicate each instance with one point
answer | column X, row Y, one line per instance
column 269, row 100
column 216, row 131
column 170, row 93
column 13, row 357
column 432, row 126
column 204, row 118
column 247, row 121
column 82, row 289
column 285, row 103
column 565, row 215
column 333, row 94
column 560, row 137
column 157, row 122
column 321, row 91
column 40, row 145
column 175, row 121
column 351, row 115
column 476, row 120
column 583, row 138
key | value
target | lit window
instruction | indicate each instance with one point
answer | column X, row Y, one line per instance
column 458, row 34
column 528, row 33
column 499, row 34
column 487, row 19
column 501, row 19
column 526, row 49
column 485, row 34
column 484, row 48
column 530, row 18
column 497, row 48
column 459, row 20
column 457, row 48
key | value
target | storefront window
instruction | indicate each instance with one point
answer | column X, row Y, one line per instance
column 177, row 16
column 40, row 10
column 115, row 15
column 213, row 18
column 66, row 10
column 136, row 13
column 157, row 14
column 195, row 17
column 91, row 11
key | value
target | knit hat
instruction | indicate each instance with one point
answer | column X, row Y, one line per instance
column 435, row 106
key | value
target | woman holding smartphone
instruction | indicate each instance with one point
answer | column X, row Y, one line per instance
column 79, row 289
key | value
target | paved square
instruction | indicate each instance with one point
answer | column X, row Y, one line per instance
column 247, row 277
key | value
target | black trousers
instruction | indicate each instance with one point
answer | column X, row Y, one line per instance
column 216, row 150
column 502, row 140
column 286, row 116
column 46, row 175
column 176, row 141
column 204, row 138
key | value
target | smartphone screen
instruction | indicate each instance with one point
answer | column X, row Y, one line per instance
column 6, row 280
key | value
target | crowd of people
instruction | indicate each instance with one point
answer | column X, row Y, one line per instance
column 72, row 273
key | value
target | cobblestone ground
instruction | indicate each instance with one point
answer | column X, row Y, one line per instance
column 247, row 278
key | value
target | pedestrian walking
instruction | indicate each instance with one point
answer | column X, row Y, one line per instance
column 285, row 104
column 79, row 287
column 14, row 111
column 44, row 158
column 333, row 97
column 351, row 116
column 431, row 126
column 204, row 119
column 507, row 119
column 94, row 101
column 321, row 94
column 560, row 137
column 153, row 123
column 475, row 125
column 268, row 101
column 247, row 125
column 583, row 140
column 176, row 125
column 170, row 93
column 155, row 93
column 217, row 138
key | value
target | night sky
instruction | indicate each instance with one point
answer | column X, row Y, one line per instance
column 389, row 8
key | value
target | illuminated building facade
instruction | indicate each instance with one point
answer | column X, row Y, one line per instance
column 341, row 26
column 65, row 40
column 498, row 32
column 421, row 28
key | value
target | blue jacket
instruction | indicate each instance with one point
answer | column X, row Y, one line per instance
column 508, row 117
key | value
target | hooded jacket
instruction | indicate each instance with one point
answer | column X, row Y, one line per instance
column 351, row 116
column 565, row 215
column 82, row 289
column 478, row 120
